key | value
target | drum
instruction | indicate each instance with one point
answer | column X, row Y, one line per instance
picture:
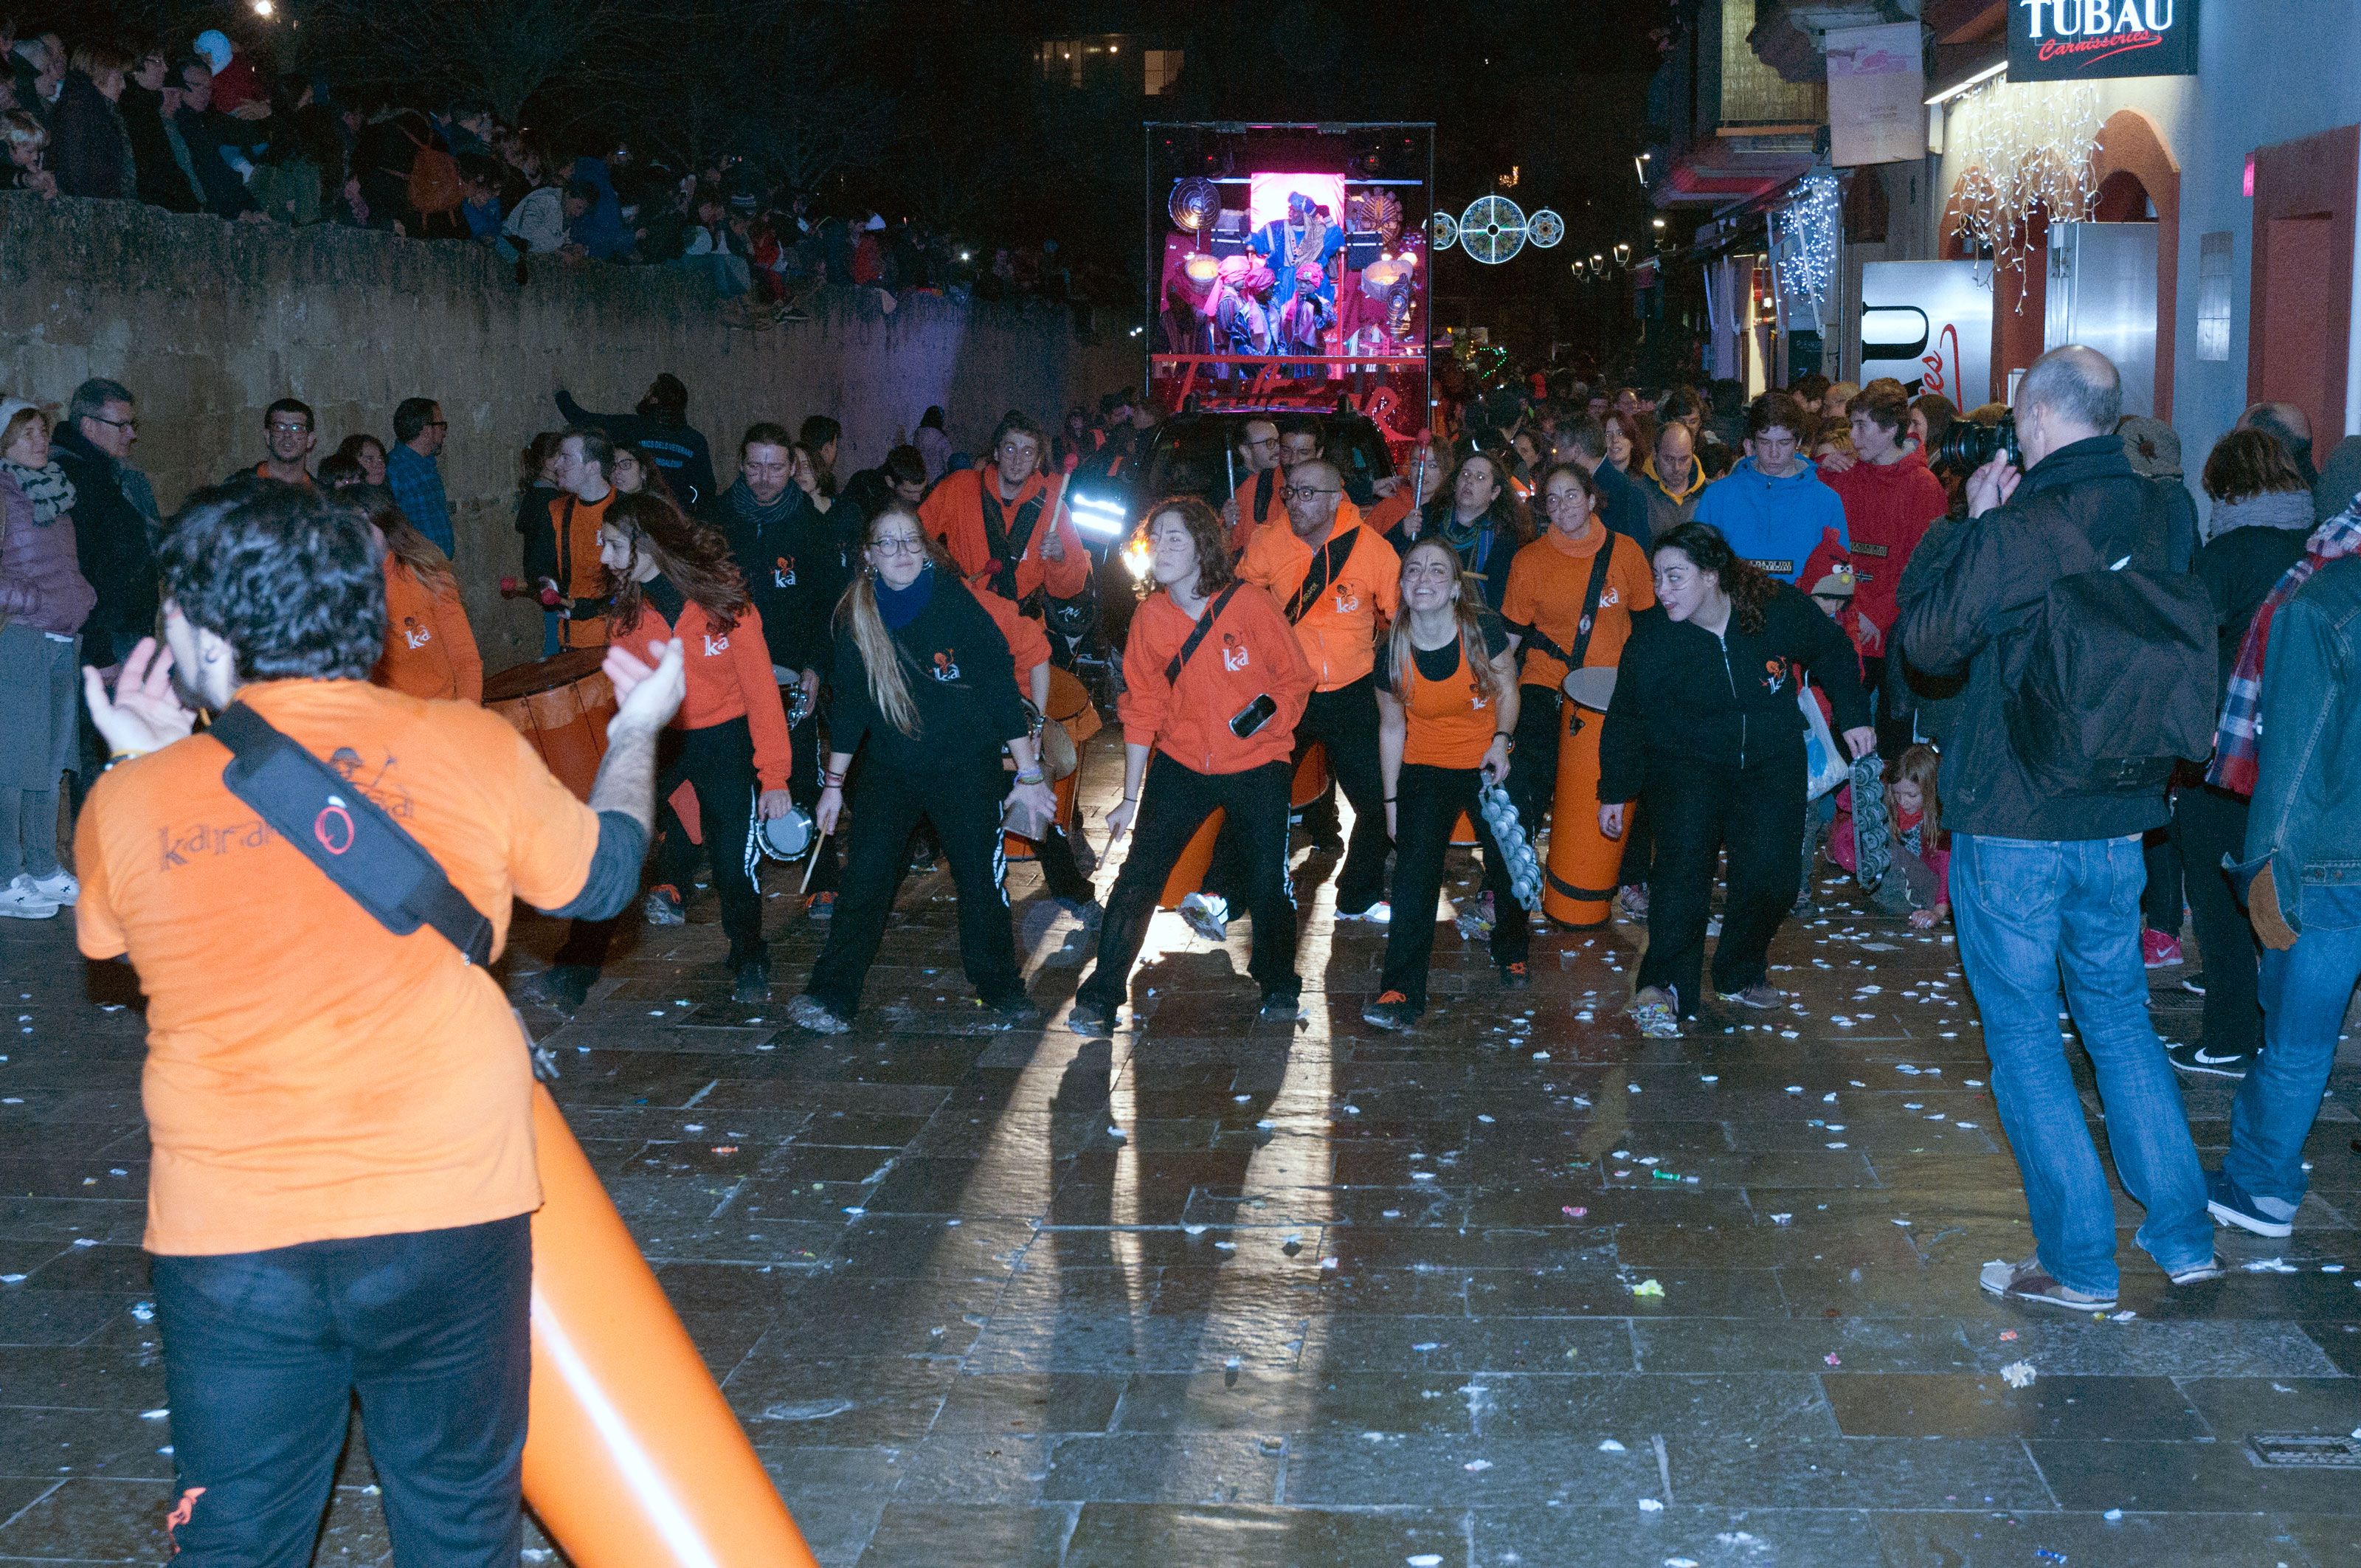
column 1462, row 835
column 1072, row 708
column 1311, row 776
column 562, row 706
column 1188, row 872
column 1579, row 887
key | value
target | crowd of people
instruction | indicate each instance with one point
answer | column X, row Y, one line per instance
column 202, row 124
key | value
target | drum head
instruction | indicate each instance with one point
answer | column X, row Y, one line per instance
column 1058, row 758
column 1592, row 686
column 784, row 838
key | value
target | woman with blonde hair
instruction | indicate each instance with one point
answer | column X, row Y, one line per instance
column 924, row 692
column 1446, row 709
column 430, row 649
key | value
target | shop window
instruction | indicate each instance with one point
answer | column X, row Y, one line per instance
column 2214, row 297
column 1163, row 70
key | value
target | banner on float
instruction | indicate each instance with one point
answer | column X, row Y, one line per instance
column 1877, row 86
column 2082, row 40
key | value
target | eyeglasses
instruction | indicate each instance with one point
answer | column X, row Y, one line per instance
column 117, row 423
column 277, row 429
column 438, row 424
column 1303, row 493
column 898, row 544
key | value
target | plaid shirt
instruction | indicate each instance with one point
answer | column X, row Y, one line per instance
column 2237, row 744
column 417, row 486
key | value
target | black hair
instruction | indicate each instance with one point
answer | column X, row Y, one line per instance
column 290, row 406
column 764, row 433
column 819, row 431
column 1303, row 424
column 902, row 465
column 1749, row 588
column 412, row 415
column 932, row 419
column 666, row 399
column 292, row 581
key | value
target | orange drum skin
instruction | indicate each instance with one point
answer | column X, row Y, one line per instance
column 1462, row 835
column 1579, row 887
column 632, row 1459
column 562, row 706
column 1189, row 872
column 1311, row 776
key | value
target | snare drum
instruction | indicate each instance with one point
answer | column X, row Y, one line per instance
column 562, row 706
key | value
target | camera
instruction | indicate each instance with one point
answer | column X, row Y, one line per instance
column 1967, row 446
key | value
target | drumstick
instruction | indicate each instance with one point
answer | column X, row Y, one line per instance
column 812, row 864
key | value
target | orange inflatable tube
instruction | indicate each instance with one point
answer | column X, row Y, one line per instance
column 1578, row 888
column 632, row 1459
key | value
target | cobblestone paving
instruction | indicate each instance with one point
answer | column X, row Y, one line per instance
column 1516, row 1289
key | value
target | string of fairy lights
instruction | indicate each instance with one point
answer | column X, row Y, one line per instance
column 1804, row 237
column 2029, row 151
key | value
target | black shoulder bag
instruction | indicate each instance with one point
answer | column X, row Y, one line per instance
column 348, row 836
column 1204, row 624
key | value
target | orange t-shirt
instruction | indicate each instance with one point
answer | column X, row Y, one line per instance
column 1547, row 582
column 311, row 1075
column 1390, row 510
column 1450, row 720
column 1339, row 632
column 1028, row 643
column 429, row 650
column 1250, row 651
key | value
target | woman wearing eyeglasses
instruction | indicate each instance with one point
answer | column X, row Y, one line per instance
column 1214, row 683
column 1446, row 708
column 924, row 677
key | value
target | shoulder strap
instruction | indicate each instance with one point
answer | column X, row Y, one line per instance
column 348, row 836
column 1590, row 602
column 1204, row 624
column 1317, row 576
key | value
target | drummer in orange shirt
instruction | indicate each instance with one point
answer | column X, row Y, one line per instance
column 430, row 649
column 1007, row 519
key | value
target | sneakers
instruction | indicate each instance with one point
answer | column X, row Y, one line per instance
column 808, row 1011
column 1377, row 913
column 58, row 887
column 1088, row 1017
column 1759, row 996
column 567, row 986
column 753, row 983
column 1632, row 902
column 1516, row 976
column 21, row 900
column 1282, row 1004
column 2193, row 983
column 2158, row 951
column 2230, row 1204
column 2203, row 1273
column 664, row 905
column 2029, row 1282
column 821, row 907
column 1657, row 1012
column 1390, row 1010
column 2197, row 1059
column 1207, row 915
column 1016, row 1010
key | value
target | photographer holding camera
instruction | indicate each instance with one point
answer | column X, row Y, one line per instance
column 2088, row 665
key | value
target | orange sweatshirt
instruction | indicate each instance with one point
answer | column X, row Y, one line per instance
column 429, row 650
column 953, row 512
column 1258, row 503
column 1249, row 653
column 1339, row 632
column 729, row 677
column 1029, row 644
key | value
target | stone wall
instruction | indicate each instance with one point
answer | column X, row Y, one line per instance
column 209, row 322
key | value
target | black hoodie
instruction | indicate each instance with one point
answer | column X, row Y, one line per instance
column 794, row 569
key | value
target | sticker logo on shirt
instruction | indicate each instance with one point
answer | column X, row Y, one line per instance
column 1607, row 596
column 414, row 636
column 1346, row 601
column 1774, row 674
column 716, row 646
column 946, row 665
column 1234, row 653
column 783, row 571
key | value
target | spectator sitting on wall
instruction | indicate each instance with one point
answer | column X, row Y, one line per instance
column 593, row 215
column 94, row 146
column 225, row 193
column 237, row 89
column 537, row 225
column 161, row 177
column 27, row 141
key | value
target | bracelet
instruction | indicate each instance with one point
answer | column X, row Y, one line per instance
column 1131, row 800
column 1036, row 776
column 831, row 781
column 1390, row 800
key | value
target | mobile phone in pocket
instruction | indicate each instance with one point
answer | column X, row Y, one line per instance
column 1253, row 717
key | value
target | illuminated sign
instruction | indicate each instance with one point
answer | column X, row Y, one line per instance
column 2081, row 41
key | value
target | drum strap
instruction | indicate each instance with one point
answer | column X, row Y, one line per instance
column 355, row 844
column 1007, row 544
column 1204, row 624
column 1590, row 604
column 1317, row 576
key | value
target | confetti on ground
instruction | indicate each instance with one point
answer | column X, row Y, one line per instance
column 2020, row 1373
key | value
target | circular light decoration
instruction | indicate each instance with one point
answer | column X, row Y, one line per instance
column 1492, row 229
column 1441, row 229
column 1196, row 203
column 1545, row 228
column 1378, row 209
column 1202, row 270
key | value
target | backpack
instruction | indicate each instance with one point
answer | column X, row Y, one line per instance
column 434, row 183
column 2118, row 684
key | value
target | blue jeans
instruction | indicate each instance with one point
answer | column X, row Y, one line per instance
column 2028, row 910
column 2305, row 989
column 264, row 1351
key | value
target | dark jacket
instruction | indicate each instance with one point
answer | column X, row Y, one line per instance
column 225, row 193
column 795, row 572
column 533, row 528
column 961, row 677
column 677, row 449
column 2239, row 568
column 1436, row 521
column 93, row 155
column 112, row 546
column 160, row 179
column 1684, row 696
column 1970, row 588
column 1624, row 504
column 2302, row 822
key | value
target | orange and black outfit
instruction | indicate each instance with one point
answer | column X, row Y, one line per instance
column 1553, row 607
column 1258, row 503
column 1028, row 650
column 567, row 554
column 430, row 649
column 1338, row 598
column 1191, row 684
column 1448, row 725
column 1002, row 539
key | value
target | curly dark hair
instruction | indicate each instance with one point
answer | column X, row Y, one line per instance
column 695, row 557
column 292, row 582
column 1215, row 570
column 1749, row 590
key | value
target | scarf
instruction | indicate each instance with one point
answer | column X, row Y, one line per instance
column 2237, row 744
column 2272, row 508
column 763, row 517
column 899, row 607
column 47, row 487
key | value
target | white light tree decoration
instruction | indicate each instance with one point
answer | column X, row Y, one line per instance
column 2029, row 151
column 1803, row 240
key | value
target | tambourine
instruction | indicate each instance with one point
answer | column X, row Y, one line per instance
column 1592, row 686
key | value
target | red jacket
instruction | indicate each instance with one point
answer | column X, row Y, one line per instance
column 953, row 512
column 729, row 677
column 1887, row 512
column 1249, row 653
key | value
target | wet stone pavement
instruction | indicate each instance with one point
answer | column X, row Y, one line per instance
column 1516, row 1289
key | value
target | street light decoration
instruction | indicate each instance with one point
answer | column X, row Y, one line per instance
column 1545, row 228
column 1492, row 229
column 1440, row 230
column 1196, row 203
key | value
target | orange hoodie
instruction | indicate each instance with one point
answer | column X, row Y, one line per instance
column 1339, row 632
column 1029, row 644
column 429, row 650
column 953, row 512
column 1250, row 651
column 729, row 677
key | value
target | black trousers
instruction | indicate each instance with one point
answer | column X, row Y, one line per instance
column 1174, row 802
column 718, row 762
column 1532, row 771
column 2161, row 900
column 803, row 782
column 961, row 796
column 2208, row 824
column 1427, row 804
column 1757, row 815
column 1345, row 721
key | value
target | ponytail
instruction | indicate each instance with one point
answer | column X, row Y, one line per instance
column 857, row 612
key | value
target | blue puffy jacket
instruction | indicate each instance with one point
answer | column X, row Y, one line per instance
column 1775, row 523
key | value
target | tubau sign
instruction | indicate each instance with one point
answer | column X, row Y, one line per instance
column 2081, row 41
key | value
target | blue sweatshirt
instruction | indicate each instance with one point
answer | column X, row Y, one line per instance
column 1775, row 523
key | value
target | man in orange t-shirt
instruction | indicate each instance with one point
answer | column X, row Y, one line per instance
column 341, row 1118
column 1007, row 519
column 566, row 557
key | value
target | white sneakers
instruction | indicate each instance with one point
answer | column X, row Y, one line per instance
column 1207, row 915
column 58, row 887
column 23, row 899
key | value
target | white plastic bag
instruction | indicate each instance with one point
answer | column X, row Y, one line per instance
column 1825, row 765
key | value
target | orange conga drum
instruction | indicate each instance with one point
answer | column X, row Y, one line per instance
column 562, row 706
column 1070, row 706
column 1189, row 872
column 1462, row 834
column 1579, row 887
column 1311, row 776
